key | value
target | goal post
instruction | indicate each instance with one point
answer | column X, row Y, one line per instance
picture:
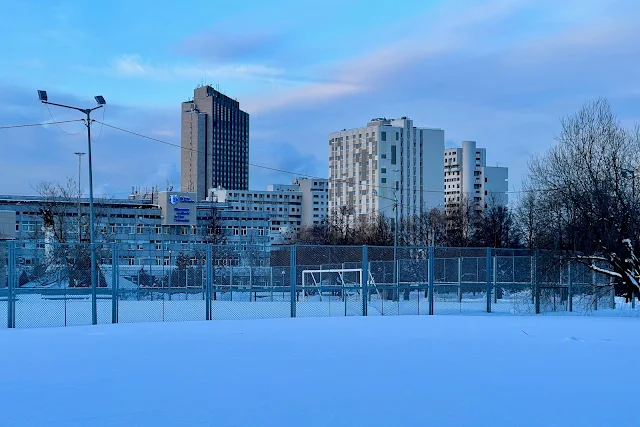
column 330, row 280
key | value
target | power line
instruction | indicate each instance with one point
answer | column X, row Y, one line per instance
column 41, row 124
column 250, row 164
column 307, row 175
column 56, row 123
column 104, row 108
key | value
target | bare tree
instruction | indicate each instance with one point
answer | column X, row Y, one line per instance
column 212, row 230
column 65, row 232
column 584, row 195
column 495, row 227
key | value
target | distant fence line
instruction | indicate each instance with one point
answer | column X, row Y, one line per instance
column 46, row 284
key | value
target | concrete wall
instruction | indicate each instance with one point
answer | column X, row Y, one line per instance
column 7, row 225
column 496, row 185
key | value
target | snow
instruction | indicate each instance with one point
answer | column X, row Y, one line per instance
column 374, row 371
column 50, row 310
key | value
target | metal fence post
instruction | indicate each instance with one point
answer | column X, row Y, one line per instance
column 114, row 282
column 495, row 279
column 11, row 280
column 292, row 279
column 570, row 283
column 488, row 267
column 595, row 290
column 460, row 279
column 94, row 284
column 365, row 280
column 209, row 281
column 613, row 297
column 536, row 287
column 431, row 279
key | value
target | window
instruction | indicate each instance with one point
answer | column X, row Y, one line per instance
column 383, row 170
column 393, row 154
column 383, row 180
column 383, row 135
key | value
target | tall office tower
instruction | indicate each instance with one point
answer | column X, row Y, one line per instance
column 466, row 175
column 215, row 143
column 392, row 157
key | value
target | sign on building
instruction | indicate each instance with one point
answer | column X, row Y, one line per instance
column 178, row 208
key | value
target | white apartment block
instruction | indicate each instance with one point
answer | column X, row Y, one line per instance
column 289, row 206
column 387, row 156
column 315, row 199
column 466, row 174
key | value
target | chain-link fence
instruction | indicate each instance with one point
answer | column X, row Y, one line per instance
column 45, row 284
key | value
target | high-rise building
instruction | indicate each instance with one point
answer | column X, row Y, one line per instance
column 215, row 143
column 467, row 176
column 392, row 157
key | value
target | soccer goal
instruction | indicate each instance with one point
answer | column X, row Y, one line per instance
column 331, row 282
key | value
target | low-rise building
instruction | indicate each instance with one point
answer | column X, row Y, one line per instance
column 148, row 229
column 289, row 207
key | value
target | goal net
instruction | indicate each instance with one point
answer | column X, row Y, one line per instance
column 331, row 282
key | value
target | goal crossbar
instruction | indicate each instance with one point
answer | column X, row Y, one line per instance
column 318, row 273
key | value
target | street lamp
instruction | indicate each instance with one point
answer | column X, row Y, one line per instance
column 395, row 231
column 79, row 154
column 42, row 95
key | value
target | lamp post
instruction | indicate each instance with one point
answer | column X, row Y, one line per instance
column 395, row 231
column 42, row 95
column 79, row 154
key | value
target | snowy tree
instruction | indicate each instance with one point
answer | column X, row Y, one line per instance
column 584, row 194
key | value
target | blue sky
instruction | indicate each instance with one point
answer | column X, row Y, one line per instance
column 501, row 72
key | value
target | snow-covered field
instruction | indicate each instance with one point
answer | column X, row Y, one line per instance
column 401, row 371
column 39, row 310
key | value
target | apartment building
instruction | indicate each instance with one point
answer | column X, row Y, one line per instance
column 393, row 157
column 467, row 176
column 315, row 199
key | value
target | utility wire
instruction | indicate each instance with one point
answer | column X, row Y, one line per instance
column 41, row 124
column 250, row 164
column 104, row 108
column 306, row 175
column 58, row 126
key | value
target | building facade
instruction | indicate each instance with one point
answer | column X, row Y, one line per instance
column 282, row 204
column 315, row 200
column 289, row 206
column 147, row 231
column 7, row 225
column 215, row 143
column 396, row 159
column 467, row 176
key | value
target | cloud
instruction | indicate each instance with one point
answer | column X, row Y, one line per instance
column 132, row 65
column 231, row 45
column 479, row 77
column 284, row 156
